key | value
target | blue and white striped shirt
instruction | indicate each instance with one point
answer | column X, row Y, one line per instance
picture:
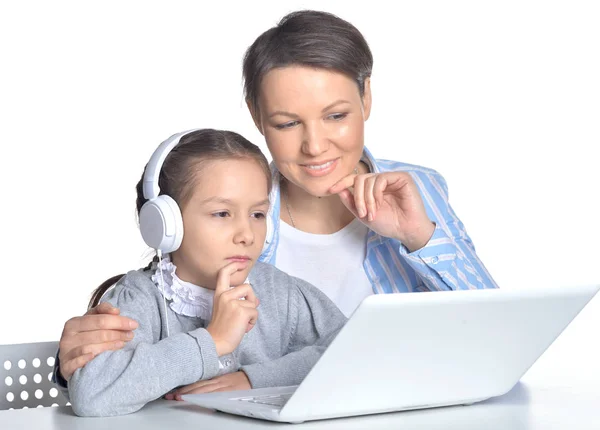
column 447, row 262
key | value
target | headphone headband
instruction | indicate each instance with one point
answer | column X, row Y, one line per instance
column 150, row 186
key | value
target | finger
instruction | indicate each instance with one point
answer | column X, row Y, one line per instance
column 209, row 388
column 224, row 277
column 241, row 291
column 348, row 200
column 101, row 336
column 343, row 183
column 193, row 388
column 93, row 341
column 225, row 388
column 370, row 198
column 99, row 322
column 67, row 369
column 94, row 349
column 253, row 314
column 359, row 195
column 246, row 304
column 379, row 187
column 251, row 295
column 251, row 325
column 103, row 308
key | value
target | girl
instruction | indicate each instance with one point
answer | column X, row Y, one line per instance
column 220, row 182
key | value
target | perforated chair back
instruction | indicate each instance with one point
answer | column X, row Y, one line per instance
column 26, row 373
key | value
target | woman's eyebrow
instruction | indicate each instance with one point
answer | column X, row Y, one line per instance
column 334, row 104
column 284, row 113
column 293, row 115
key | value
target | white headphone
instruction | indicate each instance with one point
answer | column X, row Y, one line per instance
column 161, row 223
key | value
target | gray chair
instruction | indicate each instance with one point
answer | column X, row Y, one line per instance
column 25, row 375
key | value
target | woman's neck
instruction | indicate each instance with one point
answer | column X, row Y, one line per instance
column 317, row 215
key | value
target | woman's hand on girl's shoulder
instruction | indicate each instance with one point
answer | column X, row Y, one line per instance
column 99, row 329
column 388, row 203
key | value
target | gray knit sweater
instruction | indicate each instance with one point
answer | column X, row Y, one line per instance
column 296, row 322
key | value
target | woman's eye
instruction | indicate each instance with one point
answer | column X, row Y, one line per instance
column 222, row 214
column 286, row 125
column 337, row 116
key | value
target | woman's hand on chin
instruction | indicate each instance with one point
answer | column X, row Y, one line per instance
column 389, row 204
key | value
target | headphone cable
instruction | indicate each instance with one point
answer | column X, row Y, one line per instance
column 162, row 287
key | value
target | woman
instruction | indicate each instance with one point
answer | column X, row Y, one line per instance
column 344, row 221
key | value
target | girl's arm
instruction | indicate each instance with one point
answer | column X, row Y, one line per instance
column 312, row 323
column 123, row 381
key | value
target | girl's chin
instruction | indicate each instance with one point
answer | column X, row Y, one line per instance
column 238, row 278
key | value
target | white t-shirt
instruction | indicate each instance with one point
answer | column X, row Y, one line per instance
column 331, row 262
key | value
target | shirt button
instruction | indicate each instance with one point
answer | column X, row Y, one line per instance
column 434, row 260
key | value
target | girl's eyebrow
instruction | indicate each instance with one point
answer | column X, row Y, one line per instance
column 230, row 202
column 262, row 203
column 216, row 200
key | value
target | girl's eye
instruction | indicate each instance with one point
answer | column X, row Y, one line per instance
column 259, row 215
column 337, row 116
column 286, row 125
column 222, row 214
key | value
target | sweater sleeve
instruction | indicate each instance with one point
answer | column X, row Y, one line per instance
column 123, row 381
column 311, row 324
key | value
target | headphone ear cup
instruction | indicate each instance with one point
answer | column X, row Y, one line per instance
column 161, row 224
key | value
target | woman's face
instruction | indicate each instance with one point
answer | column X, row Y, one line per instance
column 313, row 123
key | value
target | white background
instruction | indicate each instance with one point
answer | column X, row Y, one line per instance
column 502, row 98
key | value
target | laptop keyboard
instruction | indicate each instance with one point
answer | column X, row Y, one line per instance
column 268, row 399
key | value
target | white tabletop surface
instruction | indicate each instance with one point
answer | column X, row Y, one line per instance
column 527, row 407
column 561, row 391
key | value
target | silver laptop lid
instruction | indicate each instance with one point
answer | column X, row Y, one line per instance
column 406, row 351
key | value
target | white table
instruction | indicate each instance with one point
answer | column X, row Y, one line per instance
column 528, row 406
column 561, row 391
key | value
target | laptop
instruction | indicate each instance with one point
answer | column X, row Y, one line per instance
column 413, row 351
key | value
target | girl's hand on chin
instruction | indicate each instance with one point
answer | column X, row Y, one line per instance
column 232, row 317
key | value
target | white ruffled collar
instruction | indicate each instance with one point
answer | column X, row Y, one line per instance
column 186, row 298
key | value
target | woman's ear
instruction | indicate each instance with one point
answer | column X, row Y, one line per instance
column 367, row 100
column 255, row 116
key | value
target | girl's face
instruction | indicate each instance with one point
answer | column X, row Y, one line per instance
column 313, row 123
column 224, row 221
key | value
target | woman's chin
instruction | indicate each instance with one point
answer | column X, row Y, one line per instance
column 321, row 190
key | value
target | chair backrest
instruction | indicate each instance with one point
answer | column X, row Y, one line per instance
column 25, row 375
